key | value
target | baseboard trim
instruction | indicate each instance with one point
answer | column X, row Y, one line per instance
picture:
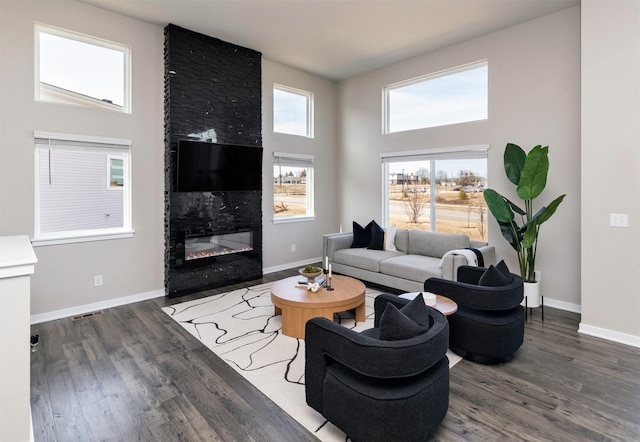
column 87, row 308
column 610, row 335
column 562, row 305
column 291, row 265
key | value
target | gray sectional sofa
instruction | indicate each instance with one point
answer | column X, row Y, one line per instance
column 418, row 256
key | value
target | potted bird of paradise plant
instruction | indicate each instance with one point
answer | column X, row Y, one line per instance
column 520, row 226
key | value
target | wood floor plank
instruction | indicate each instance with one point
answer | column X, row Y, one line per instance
column 67, row 414
column 40, row 402
column 133, row 373
column 121, row 404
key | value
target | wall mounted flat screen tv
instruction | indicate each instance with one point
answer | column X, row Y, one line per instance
column 212, row 167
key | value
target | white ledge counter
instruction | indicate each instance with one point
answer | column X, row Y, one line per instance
column 17, row 262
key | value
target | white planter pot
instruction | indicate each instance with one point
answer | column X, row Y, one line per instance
column 531, row 294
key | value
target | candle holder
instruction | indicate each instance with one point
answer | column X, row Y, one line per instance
column 329, row 288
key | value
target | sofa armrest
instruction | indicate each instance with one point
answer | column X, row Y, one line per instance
column 488, row 252
column 451, row 263
column 332, row 242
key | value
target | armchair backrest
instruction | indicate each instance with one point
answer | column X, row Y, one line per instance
column 467, row 293
column 327, row 342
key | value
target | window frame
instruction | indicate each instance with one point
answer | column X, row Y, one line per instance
column 386, row 99
column 302, row 161
column 479, row 151
column 72, row 98
column 73, row 141
column 309, row 96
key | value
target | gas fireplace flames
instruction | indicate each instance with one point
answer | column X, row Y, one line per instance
column 212, row 253
column 217, row 245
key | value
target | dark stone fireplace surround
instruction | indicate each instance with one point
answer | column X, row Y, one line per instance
column 213, row 92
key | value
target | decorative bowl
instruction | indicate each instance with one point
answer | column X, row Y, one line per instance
column 311, row 276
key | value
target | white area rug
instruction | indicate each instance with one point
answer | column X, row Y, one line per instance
column 241, row 328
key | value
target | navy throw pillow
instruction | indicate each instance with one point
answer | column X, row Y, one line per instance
column 412, row 320
column 492, row 277
column 361, row 235
column 502, row 268
column 417, row 310
column 377, row 237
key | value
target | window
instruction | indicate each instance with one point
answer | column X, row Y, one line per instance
column 292, row 187
column 83, row 188
column 80, row 70
column 453, row 96
column 437, row 190
column 292, row 111
column 115, row 168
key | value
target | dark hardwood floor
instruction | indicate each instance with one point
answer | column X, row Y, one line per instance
column 132, row 373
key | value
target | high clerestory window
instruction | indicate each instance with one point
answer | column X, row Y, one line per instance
column 292, row 111
column 81, row 70
column 453, row 96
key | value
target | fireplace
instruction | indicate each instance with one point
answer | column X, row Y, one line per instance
column 196, row 248
column 213, row 93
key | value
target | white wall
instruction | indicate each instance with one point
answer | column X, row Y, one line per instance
column 64, row 273
column 534, row 98
column 610, row 169
column 307, row 235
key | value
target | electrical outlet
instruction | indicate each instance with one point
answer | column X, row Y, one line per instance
column 293, row 247
column 619, row 220
column 97, row 280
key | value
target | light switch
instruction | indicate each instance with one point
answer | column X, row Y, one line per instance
column 619, row 220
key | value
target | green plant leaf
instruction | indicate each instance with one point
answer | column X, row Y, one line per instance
column 550, row 210
column 515, row 207
column 510, row 234
column 533, row 178
column 530, row 235
column 534, row 219
column 514, row 159
column 498, row 205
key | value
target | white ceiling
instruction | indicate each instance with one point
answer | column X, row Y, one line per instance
column 338, row 39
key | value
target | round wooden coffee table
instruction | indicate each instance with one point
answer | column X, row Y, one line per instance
column 445, row 305
column 297, row 304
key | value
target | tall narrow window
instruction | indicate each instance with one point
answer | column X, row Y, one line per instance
column 81, row 70
column 453, row 96
column 437, row 190
column 292, row 111
column 115, row 167
column 292, row 187
column 83, row 188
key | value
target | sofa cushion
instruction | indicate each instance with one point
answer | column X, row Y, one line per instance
column 492, row 277
column 390, row 239
column 361, row 235
column 362, row 258
column 377, row 237
column 435, row 244
column 397, row 325
column 412, row 267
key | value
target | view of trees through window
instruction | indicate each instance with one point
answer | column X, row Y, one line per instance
column 438, row 195
column 290, row 191
column 292, row 186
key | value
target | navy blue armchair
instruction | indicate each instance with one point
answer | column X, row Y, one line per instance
column 488, row 327
column 378, row 390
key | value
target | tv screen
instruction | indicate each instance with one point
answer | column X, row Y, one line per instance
column 209, row 167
